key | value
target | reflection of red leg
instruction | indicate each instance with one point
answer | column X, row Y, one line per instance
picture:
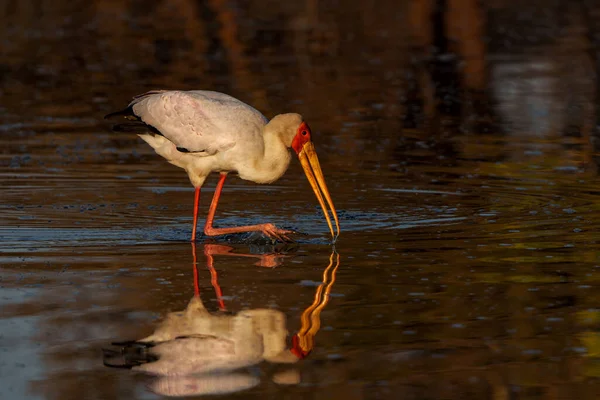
column 196, row 201
column 210, row 250
column 214, row 276
column 268, row 229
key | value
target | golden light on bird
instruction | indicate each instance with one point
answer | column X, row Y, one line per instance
column 304, row 147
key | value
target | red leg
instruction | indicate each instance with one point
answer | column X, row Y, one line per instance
column 196, row 201
column 268, row 229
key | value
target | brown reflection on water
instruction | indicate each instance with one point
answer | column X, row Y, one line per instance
column 459, row 140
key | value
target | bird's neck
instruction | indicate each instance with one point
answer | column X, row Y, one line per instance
column 272, row 163
column 276, row 158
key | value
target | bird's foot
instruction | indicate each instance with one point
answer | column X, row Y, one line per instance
column 273, row 232
column 270, row 260
column 269, row 230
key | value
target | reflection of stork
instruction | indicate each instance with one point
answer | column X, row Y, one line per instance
column 197, row 352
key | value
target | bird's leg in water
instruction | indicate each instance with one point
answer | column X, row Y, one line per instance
column 268, row 229
column 196, row 201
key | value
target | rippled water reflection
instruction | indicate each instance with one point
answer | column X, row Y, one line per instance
column 464, row 172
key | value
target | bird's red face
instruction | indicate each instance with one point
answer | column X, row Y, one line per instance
column 302, row 137
column 305, row 149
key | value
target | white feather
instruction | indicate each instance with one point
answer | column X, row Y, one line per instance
column 216, row 133
column 199, row 121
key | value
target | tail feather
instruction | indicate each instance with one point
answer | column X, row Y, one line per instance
column 135, row 124
column 136, row 127
column 127, row 113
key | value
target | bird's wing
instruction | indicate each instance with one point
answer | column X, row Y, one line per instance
column 198, row 121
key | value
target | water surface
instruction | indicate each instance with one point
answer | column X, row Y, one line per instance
column 465, row 177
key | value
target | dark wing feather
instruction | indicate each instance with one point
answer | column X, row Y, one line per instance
column 136, row 125
column 126, row 113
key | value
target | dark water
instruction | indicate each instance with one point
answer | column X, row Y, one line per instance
column 459, row 147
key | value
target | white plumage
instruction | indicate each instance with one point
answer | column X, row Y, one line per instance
column 204, row 123
column 199, row 121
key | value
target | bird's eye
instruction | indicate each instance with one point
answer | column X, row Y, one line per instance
column 304, row 133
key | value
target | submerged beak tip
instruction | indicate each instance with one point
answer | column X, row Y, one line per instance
column 335, row 238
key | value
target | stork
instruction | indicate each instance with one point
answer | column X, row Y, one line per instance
column 205, row 131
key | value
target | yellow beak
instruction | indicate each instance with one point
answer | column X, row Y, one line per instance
column 312, row 169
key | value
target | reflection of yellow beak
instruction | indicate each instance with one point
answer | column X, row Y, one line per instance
column 312, row 169
column 303, row 341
